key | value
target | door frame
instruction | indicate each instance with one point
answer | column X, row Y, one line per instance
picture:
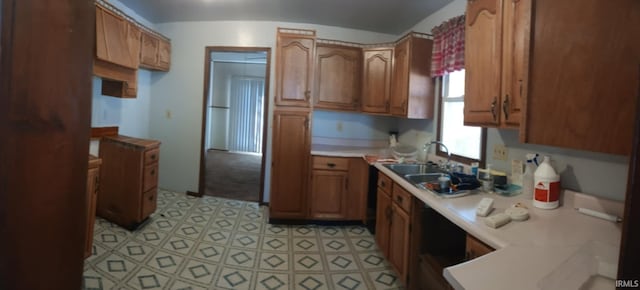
column 207, row 74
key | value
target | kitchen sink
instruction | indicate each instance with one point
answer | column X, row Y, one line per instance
column 418, row 178
column 404, row 169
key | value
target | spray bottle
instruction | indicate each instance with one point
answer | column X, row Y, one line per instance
column 527, row 177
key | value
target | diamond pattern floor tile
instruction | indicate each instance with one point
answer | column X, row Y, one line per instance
column 217, row 243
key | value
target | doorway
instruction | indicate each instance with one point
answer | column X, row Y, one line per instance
column 234, row 122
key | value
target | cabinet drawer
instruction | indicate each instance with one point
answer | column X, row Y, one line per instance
column 384, row 182
column 402, row 197
column 150, row 179
column 149, row 202
column 151, row 156
column 330, row 163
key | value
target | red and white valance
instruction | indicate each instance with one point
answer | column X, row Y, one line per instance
column 448, row 46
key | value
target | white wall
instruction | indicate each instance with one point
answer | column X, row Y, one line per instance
column 593, row 173
column 180, row 91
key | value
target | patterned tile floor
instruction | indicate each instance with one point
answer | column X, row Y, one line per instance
column 216, row 243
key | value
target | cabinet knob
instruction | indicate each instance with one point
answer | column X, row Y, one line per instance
column 153, row 172
column 331, row 165
column 399, row 199
column 153, row 157
column 505, row 107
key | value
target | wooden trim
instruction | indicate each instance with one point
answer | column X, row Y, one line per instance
column 629, row 257
column 99, row 132
column 265, row 127
column 45, row 119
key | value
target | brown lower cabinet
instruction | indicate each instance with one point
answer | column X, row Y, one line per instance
column 338, row 188
column 393, row 226
column 416, row 240
column 92, row 198
column 128, row 180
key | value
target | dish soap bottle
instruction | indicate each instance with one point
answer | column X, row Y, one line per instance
column 546, row 186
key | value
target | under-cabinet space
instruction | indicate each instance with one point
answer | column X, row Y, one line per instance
column 476, row 248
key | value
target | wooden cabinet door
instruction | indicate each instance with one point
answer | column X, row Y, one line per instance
column 399, row 239
column 400, row 78
column 483, row 51
column 92, row 198
column 337, row 77
column 164, row 55
column 289, row 167
column 582, row 91
column 328, row 197
column 294, row 70
column 376, row 80
column 357, row 187
column 149, row 50
column 515, row 61
column 383, row 221
column 112, row 39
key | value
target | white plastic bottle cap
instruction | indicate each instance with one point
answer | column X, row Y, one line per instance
column 517, row 213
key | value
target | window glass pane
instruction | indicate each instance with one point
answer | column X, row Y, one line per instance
column 461, row 140
column 456, row 84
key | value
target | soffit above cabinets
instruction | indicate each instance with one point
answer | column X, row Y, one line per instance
column 384, row 16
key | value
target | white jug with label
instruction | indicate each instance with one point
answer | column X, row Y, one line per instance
column 546, row 189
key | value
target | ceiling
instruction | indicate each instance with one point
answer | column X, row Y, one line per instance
column 384, row 16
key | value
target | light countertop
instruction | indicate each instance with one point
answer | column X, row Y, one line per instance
column 527, row 252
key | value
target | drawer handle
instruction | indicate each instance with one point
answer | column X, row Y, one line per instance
column 153, row 157
column 399, row 199
column 331, row 165
column 153, row 172
column 151, row 198
column 382, row 183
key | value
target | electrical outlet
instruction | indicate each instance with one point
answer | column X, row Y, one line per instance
column 500, row 152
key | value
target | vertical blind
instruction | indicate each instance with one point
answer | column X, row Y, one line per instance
column 245, row 128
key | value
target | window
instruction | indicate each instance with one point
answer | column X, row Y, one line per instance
column 467, row 144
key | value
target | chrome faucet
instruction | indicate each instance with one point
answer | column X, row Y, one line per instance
column 428, row 145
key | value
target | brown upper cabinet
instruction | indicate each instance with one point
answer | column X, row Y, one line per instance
column 294, row 69
column 117, row 40
column 376, row 80
column 582, row 90
column 412, row 90
column 496, row 62
column 155, row 52
column 338, row 74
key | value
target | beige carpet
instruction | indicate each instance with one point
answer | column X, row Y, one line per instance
column 233, row 175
